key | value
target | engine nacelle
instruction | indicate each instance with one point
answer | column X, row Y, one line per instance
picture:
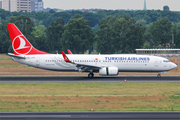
column 108, row 71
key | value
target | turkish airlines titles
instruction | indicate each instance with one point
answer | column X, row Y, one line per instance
column 128, row 58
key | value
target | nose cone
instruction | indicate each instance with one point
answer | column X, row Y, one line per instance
column 174, row 65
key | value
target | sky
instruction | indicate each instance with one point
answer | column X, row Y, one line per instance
column 174, row 5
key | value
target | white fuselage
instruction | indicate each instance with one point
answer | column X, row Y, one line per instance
column 124, row 63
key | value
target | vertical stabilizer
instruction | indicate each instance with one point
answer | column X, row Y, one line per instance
column 21, row 46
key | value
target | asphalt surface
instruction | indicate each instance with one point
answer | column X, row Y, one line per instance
column 86, row 79
column 92, row 115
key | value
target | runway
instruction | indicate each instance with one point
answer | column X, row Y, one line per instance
column 92, row 115
column 86, row 79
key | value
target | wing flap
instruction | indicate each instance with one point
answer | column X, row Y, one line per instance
column 89, row 66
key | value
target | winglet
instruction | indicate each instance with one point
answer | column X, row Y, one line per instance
column 69, row 51
column 66, row 59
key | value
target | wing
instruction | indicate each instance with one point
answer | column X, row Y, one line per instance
column 82, row 67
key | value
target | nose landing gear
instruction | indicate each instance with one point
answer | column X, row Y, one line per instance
column 159, row 75
column 90, row 75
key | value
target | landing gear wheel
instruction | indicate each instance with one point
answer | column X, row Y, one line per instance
column 158, row 75
column 90, row 75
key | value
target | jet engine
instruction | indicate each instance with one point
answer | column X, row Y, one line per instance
column 108, row 71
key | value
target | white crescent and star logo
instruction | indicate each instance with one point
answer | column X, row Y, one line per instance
column 20, row 45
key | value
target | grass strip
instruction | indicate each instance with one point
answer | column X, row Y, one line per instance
column 53, row 97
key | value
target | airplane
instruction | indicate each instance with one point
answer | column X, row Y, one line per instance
column 106, row 65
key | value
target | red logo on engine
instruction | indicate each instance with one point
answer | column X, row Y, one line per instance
column 21, row 45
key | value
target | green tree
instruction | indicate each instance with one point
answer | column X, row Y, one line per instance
column 52, row 11
column 174, row 34
column 5, row 15
column 5, row 42
column 161, row 32
column 26, row 26
column 104, row 39
column 54, row 33
column 119, row 35
column 177, row 37
column 166, row 8
column 95, row 28
column 40, row 36
column 147, row 37
column 78, row 36
column 128, row 34
column 148, row 41
column 142, row 22
column 105, row 36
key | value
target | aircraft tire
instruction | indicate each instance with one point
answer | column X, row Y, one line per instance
column 159, row 75
column 90, row 75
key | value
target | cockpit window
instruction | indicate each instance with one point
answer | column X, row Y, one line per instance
column 166, row 61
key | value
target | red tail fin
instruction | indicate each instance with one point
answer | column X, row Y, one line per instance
column 19, row 42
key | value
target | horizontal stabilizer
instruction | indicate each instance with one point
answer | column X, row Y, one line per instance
column 17, row 56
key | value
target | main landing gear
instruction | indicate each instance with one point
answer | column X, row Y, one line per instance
column 90, row 75
column 159, row 75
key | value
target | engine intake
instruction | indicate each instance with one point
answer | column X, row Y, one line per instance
column 108, row 71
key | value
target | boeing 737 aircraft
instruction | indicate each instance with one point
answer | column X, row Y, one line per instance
column 26, row 54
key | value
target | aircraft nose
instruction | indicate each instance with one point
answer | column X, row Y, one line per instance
column 174, row 65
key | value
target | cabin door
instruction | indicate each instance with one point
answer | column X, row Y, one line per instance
column 37, row 61
column 156, row 62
